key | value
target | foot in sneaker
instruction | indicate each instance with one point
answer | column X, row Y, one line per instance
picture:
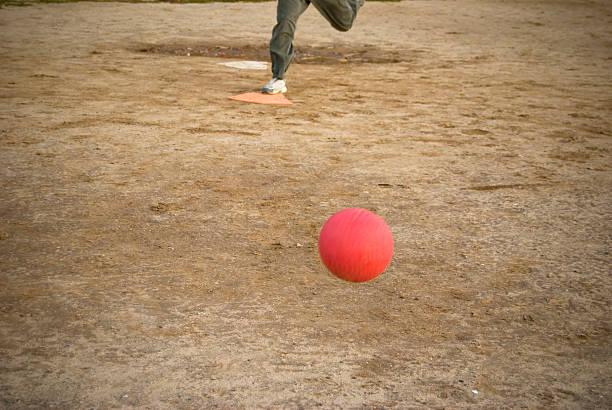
column 275, row 86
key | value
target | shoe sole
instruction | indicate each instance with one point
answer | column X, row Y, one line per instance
column 268, row 91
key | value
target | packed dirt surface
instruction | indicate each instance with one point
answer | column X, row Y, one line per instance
column 332, row 54
column 158, row 242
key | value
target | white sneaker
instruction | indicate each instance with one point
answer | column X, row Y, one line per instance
column 275, row 86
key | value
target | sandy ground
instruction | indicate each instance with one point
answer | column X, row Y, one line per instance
column 158, row 242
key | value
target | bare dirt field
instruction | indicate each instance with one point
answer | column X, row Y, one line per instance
column 158, row 242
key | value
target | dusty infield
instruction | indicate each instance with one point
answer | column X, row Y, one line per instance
column 158, row 241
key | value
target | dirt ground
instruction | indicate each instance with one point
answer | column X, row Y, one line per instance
column 158, row 242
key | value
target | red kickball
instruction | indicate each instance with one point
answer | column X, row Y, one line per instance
column 356, row 245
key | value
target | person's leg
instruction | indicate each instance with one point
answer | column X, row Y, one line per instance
column 281, row 43
column 340, row 13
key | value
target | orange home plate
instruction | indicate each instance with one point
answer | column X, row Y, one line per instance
column 261, row 98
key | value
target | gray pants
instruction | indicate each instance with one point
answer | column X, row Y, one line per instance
column 339, row 13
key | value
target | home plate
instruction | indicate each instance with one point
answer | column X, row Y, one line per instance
column 261, row 98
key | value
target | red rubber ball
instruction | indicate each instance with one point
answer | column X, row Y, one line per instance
column 356, row 245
